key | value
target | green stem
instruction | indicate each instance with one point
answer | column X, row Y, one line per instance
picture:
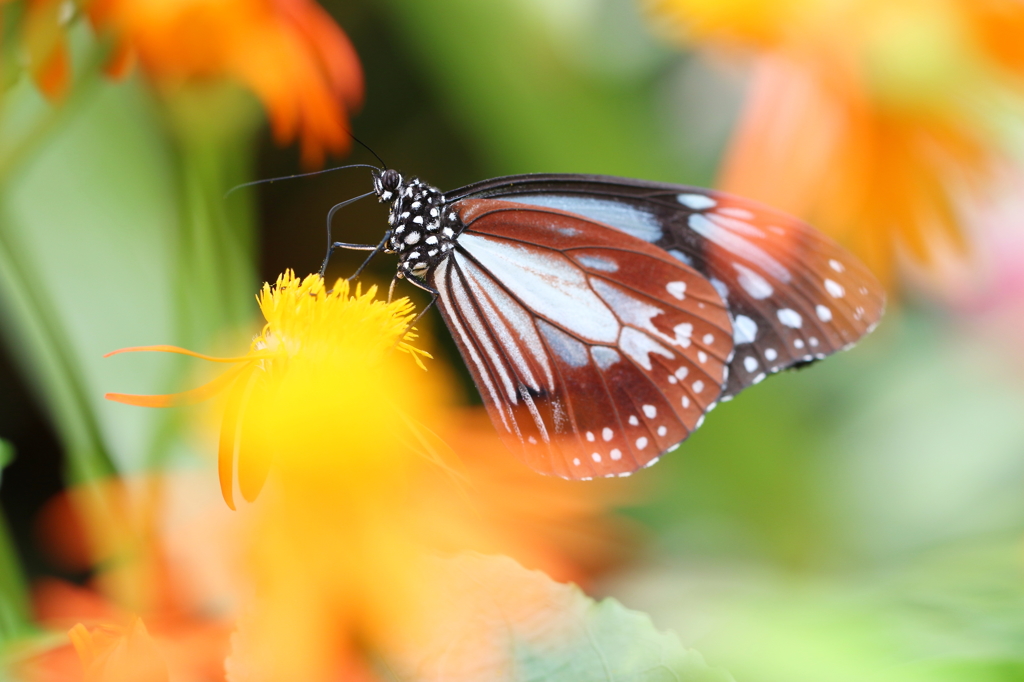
column 38, row 333
column 216, row 269
column 15, row 616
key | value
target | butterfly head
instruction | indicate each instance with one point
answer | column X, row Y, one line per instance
column 423, row 228
column 386, row 184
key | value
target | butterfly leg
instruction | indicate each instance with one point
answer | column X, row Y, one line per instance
column 331, row 244
column 422, row 285
column 378, row 249
column 419, row 315
column 375, row 248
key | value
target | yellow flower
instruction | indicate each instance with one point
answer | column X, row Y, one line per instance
column 293, row 390
column 365, row 490
column 870, row 118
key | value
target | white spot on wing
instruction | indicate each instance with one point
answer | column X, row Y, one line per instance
column 615, row 454
column 720, row 287
column 753, row 283
column 596, row 457
column 683, row 333
column 750, row 363
column 650, row 411
column 590, row 436
column 676, row 289
column 698, row 386
column 744, row 330
column 736, row 212
column 790, row 318
column 633, row 421
column 607, row 434
column 824, row 313
column 662, row 431
column 836, row 265
column 834, row 289
column 770, row 355
column 697, row 202
column 641, row 443
column 679, row 255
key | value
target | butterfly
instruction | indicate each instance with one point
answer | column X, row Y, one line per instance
column 602, row 318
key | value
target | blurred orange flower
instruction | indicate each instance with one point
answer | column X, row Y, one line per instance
column 866, row 117
column 187, row 627
column 118, row 654
column 289, row 52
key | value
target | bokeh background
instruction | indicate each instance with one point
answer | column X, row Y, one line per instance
column 859, row 519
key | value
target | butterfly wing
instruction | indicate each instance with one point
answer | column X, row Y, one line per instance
column 594, row 352
column 794, row 295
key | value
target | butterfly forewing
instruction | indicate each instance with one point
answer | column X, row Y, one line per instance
column 793, row 294
column 594, row 353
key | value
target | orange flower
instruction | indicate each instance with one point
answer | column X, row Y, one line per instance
column 163, row 567
column 118, row 654
column 865, row 117
column 289, row 52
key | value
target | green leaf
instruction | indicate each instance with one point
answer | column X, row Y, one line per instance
column 491, row 619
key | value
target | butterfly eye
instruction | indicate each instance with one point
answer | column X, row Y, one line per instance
column 390, row 180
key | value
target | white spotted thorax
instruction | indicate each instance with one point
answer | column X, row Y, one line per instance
column 423, row 229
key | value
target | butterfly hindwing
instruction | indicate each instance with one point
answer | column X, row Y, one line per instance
column 594, row 353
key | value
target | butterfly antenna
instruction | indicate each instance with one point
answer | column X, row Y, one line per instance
column 267, row 181
column 367, row 148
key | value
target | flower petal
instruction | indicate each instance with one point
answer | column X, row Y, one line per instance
column 185, row 351
column 190, row 397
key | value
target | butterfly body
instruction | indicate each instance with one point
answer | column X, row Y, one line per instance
column 602, row 318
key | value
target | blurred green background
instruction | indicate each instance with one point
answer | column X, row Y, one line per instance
column 860, row 519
